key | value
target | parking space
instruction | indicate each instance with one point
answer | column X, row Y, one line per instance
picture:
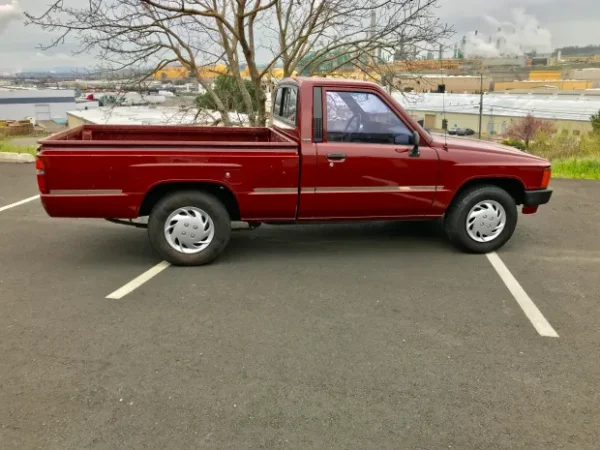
column 331, row 336
column 17, row 182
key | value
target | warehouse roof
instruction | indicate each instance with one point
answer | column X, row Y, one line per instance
column 10, row 92
column 146, row 115
column 545, row 107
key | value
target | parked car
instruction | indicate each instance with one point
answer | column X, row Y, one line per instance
column 453, row 131
column 465, row 132
column 337, row 150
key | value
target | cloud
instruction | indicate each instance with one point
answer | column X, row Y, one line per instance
column 9, row 12
column 56, row 57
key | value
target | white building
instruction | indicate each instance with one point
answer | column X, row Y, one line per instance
column 45, row 104
column 570, row 113
column 147, row 115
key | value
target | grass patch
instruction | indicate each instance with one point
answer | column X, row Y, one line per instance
column 11, row 148
column 572, row 157
column 578, row 169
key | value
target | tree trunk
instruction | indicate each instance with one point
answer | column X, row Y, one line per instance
column 261, row 117
column 247, row 100
column 261, row 100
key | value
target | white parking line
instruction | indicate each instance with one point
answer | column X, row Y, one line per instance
column 138, row 281
column 12, row 205
column 532, row 312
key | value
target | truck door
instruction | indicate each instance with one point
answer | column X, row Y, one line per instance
column 364, row 166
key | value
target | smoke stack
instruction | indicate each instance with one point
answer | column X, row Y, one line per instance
column 441, row 55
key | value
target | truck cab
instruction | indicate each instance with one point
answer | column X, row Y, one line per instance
column 361, row 155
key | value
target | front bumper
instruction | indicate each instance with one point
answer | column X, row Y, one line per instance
column 537, row 197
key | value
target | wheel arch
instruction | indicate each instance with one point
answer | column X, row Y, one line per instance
column 220, row 191
column 513, row 186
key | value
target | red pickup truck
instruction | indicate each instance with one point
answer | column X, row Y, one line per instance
column 337, row 150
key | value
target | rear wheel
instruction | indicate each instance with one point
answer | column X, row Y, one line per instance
column 189, row 228
column 481, row 219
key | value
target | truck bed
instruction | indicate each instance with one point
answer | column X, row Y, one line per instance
column 158, row 135
column 105, row 171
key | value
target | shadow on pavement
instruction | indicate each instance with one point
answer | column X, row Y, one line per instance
column 121, row 246
column 347, row 238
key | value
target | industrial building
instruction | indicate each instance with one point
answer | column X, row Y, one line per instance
column 147, row 115
column 460, row 84
column 41, row 105
column 131, row 115
column 566, row 85
column 570, row 114
column 590, row 73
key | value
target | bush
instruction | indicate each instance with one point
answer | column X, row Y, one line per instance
column 596, row 122
column 574, row 157
column 227, row 89
column 514, row 143
column 527, row 128
column 564, row 146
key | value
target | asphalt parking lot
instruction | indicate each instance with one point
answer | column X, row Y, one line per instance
column 359, row 336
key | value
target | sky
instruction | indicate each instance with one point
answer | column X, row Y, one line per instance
column 560, row 23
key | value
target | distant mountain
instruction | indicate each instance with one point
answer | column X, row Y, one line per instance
column 588, row 50
column 59, row 70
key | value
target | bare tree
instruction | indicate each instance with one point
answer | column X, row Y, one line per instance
column 308, row 36
column 528, row 127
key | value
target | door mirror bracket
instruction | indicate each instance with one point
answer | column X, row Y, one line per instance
column 414, row 152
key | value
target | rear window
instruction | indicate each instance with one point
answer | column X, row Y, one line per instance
column 277, row 102
column 286, row 104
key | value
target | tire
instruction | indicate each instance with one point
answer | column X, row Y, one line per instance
column 207, row 216
column 455, row 220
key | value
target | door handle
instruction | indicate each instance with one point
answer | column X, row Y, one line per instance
column 402, row 150
column 336, row 156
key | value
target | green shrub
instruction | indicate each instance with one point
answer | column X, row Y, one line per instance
column 514, row 143
column 227, row 89
column 596, row 122
column 564, row 146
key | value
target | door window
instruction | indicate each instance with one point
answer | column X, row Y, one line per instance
column 363, row 117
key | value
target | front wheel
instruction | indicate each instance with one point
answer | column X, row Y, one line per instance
column 189, row 228
column 481, row 219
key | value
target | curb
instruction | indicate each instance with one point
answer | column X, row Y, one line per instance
column 17, row 158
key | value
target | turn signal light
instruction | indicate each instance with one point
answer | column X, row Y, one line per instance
column 546, row 177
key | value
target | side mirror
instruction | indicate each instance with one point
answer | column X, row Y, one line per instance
column 416, row 139
column 403, row 139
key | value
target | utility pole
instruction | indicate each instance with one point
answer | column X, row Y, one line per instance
column 480, row 104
